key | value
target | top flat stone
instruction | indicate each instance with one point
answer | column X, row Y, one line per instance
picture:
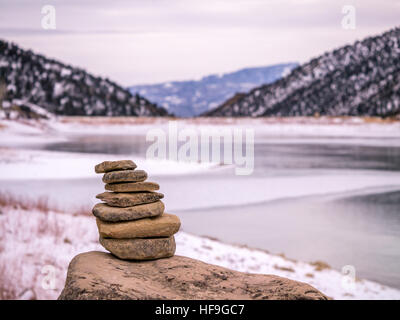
column 125, row 176
column 107, row 166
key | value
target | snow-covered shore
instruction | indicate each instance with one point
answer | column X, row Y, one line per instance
column 18, row 138
column 39, row 164
column 17, row 165
column 328, row 127
column 30, row 240
column 37, row 246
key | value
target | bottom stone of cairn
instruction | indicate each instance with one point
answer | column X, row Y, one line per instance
column 140, row 249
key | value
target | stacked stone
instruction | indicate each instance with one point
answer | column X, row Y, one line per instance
column 132, row 223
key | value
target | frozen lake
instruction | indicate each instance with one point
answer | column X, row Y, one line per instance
column 334, row 200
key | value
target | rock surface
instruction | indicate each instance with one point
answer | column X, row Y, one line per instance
column 107, row 166
column 99, row 275
column 140, row 249
column 129, row 199
column 115, row 214
column 165, row 225
column 132, row 186
column 125, row 176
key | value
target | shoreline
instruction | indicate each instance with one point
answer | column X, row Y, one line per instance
column 56, row 237
column 287, row 126
column 18, row 159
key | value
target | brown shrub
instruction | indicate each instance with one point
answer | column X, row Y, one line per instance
column 288, row 269
column 98, row 120
column 41, row 204
column 320, row 265
column 19, row 202
column 82, row 211
column 7, row 292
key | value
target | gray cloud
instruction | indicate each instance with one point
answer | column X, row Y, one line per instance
column 147, row 41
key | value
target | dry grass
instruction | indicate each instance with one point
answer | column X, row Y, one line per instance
column 40, row 204
column 380, row 120
column 287, row 269
column 7, row 291
column 293, row 120
column 82, row 211
column 39, row 236
column 113, row 120
column 317, row 120
column 320, row 265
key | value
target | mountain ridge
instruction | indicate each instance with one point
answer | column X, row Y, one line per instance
column 362, row 79
column 192, row 97
column 63, row 89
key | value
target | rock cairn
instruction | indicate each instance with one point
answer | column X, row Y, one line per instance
column 132, row 223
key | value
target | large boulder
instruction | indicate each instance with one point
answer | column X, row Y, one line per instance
column 100, row 275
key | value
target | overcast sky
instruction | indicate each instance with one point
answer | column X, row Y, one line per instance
column 149, row 41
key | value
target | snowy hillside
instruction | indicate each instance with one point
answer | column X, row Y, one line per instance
column 62, row 89
column 190, row 98
column 361, row 79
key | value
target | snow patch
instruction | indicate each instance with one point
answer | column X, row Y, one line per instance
column 34, row 242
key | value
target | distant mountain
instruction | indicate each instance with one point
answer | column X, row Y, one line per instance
column 64, row 90
column 362, row 79
column 189, row 98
